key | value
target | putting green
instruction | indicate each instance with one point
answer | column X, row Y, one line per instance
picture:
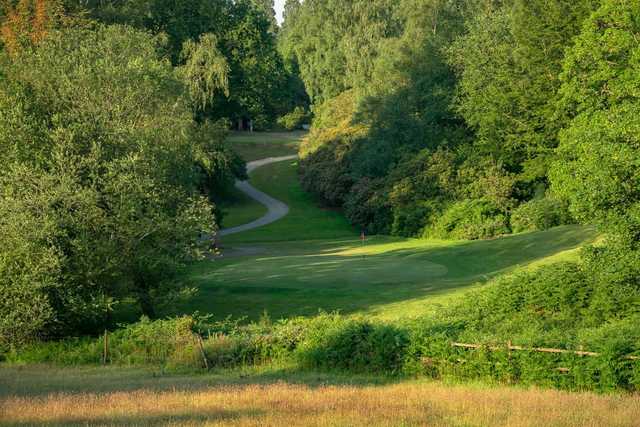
column 389, row 278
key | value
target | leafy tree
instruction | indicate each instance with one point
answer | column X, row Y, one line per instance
column 598, row 170
column 336, row 42
column 205, row 70
column 240, row 31
column 268, row 8
column 102, row 186
column 509, row 63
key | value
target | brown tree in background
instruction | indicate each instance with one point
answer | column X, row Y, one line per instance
column 27, row 21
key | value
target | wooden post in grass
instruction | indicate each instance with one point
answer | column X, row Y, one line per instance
column 105, row 349
column 204, row 355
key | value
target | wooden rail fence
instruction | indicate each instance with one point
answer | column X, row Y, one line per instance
column 511, row 347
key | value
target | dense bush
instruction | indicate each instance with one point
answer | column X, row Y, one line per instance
column 168, row 343
column 540, row 214
column 104, row 182
column 470, row 219
column 564, row 306
column 293, row 120
column 355, row 345
column 367, row 208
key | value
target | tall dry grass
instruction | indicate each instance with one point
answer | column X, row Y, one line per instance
column 419, row 404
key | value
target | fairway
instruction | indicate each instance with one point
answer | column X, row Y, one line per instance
column 389, row 278
column 313, row 260
column 260, row 145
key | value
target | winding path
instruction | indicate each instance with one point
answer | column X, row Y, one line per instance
column 276, row 209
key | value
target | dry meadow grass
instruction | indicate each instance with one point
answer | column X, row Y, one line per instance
column 285, row 404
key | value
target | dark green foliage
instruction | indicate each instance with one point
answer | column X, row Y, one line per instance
column 470, row 220
column 540, row 214
column 243, row 32
column 479, row 80
column 294, row 120
column 509, row 62
column 355, row 345
column 103, row 184
column 335, row 43
column 598, row 169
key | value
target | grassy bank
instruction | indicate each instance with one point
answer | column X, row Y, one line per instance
column 389, row 278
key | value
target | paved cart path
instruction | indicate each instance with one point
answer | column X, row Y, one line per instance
column 277, row 209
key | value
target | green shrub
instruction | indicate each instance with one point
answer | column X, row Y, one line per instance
column 540, row 214
column 565, row 306
column 293, row 120
column 356, row 345
column 470, row 220
column 367, row 208
column 561, row 306
column 170, row 343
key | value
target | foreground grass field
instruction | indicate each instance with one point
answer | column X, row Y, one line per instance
column 126, row 397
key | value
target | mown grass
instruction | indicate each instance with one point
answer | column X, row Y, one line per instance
column 313, row 260
column 239, row 209
column 260, row 145
column 124, row 397
column 387, row 278
column 306, row 221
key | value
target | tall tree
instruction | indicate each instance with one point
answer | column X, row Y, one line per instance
column 101, row 188
column 268, row 8
column 509, row 64
column 598, row 169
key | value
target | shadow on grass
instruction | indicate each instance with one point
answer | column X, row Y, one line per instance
column 199, row 417
column 300, row 279
column 44, row 380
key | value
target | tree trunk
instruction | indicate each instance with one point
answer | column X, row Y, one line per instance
column 145, row 300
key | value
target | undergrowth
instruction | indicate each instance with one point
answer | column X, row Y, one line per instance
column 566, row 306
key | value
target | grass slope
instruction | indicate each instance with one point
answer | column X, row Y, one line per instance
column 305, row 220
column 389, row 278
column 260, row 145
column 127, row 397
column 313, row 260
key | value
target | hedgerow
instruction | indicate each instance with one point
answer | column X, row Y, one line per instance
column 563, row 306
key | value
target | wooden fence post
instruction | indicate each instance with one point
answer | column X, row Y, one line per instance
column 105, row 349
column 204, row 355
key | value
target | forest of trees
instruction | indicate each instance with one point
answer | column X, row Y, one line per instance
column 471, row 119
column 113, row 116
column 468, row 118
column 461, row 119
